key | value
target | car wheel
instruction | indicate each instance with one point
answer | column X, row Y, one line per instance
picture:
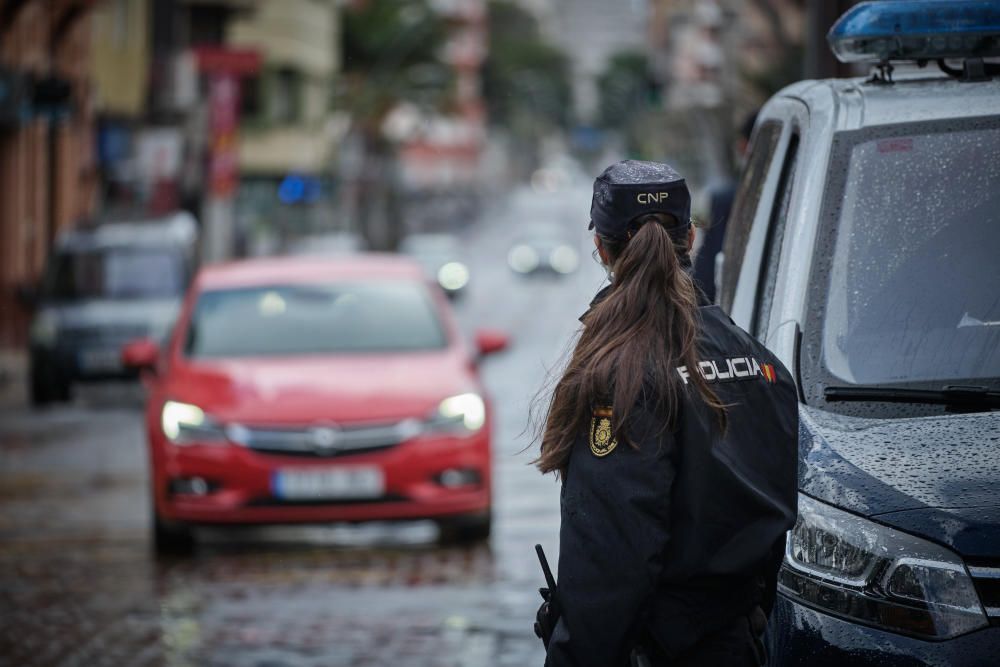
column 171, row 537
column 465, row 529
column 46, row 386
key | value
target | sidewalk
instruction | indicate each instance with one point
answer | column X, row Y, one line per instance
column 13, row 377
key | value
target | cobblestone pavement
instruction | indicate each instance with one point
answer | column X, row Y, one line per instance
column 78, row 584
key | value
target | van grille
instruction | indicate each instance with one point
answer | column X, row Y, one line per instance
column 987, row 581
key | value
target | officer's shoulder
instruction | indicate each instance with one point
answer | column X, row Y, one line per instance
column 600, row 444
column 716, row 324
column 720, row 334
column 712, row 314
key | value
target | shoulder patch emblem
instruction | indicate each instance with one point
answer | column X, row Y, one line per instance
column 602, row 442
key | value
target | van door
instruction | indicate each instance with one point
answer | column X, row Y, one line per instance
column 756, row 227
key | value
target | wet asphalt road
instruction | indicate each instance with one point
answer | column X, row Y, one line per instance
column 79, row 586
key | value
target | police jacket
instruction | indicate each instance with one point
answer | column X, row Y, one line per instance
column 665, row 543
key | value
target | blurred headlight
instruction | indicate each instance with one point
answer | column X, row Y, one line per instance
column 523, row 258
column 858, row 569
column 564, row 259
column 184, row 424
column 453, row 276
column 464, row 411
column 45, row 329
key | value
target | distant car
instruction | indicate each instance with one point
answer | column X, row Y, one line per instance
column 102, row 287
column 544, row 248
column 303, row 390
column 864, row 250
column 440, row 256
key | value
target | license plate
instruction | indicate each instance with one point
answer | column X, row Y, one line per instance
column 329, row 483
column 100, row 360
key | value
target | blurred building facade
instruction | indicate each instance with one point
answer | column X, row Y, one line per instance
column 213, row 105
column 590, row 32
column 287, row 134
column 443, row 150
column 716, row 61
column 47, row 175
column 132, row 109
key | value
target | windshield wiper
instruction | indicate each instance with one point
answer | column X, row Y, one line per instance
column 969, row 397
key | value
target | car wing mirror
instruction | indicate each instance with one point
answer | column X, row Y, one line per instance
column 141, row 354
column 491, row 341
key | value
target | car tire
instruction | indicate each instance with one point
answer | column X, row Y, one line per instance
column 171, row 538
column 47, row 386
column 465, row 529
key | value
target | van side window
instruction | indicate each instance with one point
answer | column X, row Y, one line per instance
column 772, row 244
column 762, row 147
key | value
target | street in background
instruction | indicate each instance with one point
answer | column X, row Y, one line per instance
column 82, row 584
column 440, row 255
column 464, row 133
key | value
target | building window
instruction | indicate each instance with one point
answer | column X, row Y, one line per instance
column 286, row 95
column 207, row 25
column 250, row 107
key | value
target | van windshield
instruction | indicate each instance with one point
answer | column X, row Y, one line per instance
column 913, row 268
column 115, row 273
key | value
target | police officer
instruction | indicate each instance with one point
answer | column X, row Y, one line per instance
column 674, row 433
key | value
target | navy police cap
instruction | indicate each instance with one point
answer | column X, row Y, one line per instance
column 632, row 188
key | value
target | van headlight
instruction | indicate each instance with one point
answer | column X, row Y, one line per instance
column 186, row 424
column 464, row 412
column 855, row 568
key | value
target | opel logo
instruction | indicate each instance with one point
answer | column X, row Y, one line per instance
column 324, row 437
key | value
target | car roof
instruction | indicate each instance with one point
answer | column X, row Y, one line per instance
column 915, row 95
column 177, row 229
column 308, row 269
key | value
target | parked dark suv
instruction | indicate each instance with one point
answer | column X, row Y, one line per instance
column 103, row 287
column 864, row 250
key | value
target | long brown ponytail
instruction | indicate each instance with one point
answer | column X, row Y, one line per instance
column 631, row 344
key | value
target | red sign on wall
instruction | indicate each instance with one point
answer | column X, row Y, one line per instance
column 224, row 67
column 223, row 109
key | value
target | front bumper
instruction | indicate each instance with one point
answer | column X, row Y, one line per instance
column 241, row 482
column 799, row 635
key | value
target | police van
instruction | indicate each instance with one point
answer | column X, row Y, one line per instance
column 864, row 250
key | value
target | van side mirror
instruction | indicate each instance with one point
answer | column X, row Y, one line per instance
column 141, row 354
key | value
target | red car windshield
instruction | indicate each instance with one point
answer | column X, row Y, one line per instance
column 287, row 320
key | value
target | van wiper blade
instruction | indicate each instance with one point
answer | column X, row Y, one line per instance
column 959, row 396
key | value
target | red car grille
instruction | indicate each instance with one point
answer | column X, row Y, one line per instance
column 324, row 440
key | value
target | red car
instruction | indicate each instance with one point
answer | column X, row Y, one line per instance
column 316, row 390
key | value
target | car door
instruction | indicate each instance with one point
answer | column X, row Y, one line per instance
column 754, row 238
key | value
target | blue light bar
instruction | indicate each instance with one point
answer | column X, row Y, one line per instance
column 917, row 30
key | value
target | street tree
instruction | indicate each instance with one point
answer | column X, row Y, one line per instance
column 391, row 56
column 628, row 92
column 526, row 79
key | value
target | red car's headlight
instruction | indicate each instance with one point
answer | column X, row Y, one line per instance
column 466, row 412
column 184, row 424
